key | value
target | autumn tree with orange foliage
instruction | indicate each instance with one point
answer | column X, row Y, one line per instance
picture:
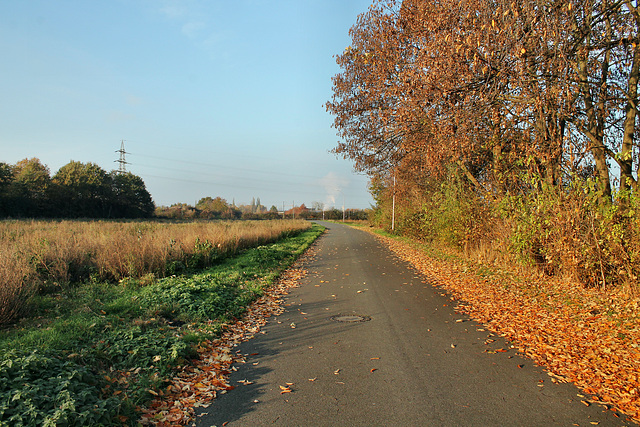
column 529, row 103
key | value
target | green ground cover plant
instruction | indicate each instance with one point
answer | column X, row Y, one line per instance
column 90, row 354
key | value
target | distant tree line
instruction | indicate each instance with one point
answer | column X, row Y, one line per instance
column 76, row 190
column 219, row 208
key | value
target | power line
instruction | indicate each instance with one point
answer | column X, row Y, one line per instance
column 248, row 187
column 217, row 179
column 274, row 177
column 210, row 165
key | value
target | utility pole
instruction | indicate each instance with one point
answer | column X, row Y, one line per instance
column 393, row 204
column 121, row 161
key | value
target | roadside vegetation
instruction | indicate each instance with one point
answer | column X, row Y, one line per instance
column 89, row 350
column 506, row 129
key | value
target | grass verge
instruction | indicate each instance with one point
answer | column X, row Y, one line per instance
column 92, row 354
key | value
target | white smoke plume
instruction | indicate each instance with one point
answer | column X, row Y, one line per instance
column 334, row 186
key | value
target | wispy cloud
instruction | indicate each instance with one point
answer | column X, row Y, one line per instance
column 196, row 21
column 119, row 116
column 192, row 29
column 173, row 11
column 133, row 100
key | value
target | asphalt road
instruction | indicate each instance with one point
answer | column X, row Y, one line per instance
column 416, row 362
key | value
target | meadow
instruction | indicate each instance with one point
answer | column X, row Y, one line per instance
column 98, row 337
column 47, row 256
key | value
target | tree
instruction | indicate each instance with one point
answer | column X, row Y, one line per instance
column 6, row 196
column 214, row 208
column 496, row 88
column 177, row 211
column 129, row 197
column 31, row 181
column 317, row 206
column 82, row 190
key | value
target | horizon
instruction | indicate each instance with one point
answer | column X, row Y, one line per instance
column 210, row 98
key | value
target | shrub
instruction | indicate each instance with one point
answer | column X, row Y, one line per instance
column 571, row 231
column 16, row 286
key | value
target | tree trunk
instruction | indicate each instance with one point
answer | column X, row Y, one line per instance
column 627, row 180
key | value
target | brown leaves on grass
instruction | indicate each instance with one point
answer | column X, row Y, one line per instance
column 200, row 382
column 586, row 336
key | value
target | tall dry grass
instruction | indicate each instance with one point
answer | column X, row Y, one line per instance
column 54, row 253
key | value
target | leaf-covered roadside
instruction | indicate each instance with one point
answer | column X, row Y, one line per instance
column 95, row 355
column 207, row 376
column 582, row 335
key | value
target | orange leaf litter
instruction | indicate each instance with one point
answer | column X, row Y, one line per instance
column 198, row 383
column 586, row 336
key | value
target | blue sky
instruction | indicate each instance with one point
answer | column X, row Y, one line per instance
column 212, row 98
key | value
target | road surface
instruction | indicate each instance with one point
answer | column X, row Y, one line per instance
column 408, row 360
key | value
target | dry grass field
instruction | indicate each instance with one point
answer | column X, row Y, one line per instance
column 37, row 255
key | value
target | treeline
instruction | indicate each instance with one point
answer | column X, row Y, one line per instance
column 504, row 128
column 219, row 208
column 215, row 208
column 76, row 190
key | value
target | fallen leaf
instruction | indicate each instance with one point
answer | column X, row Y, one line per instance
column 557, row 323
column 284, row 389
